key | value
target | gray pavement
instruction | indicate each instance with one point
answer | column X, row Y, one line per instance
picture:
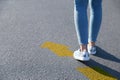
column 26, row 24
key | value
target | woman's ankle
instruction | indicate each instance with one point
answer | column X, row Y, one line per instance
column 83, row 47
column 91, row 44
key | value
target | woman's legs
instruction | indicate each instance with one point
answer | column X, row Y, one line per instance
column 81, row 25
column 95, row 20
column 81, row 22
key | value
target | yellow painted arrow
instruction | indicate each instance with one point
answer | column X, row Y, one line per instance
column 58, row 49
column 94, row 73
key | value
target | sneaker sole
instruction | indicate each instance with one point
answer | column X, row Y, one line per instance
column 81, row 58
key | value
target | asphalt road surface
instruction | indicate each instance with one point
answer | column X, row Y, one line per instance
column 26, row 24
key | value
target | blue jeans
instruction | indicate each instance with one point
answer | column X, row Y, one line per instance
column 87, row 32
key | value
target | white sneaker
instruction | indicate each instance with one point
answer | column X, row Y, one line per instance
column 82, row 56
column 92, row 50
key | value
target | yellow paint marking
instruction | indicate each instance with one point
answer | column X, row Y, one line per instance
column 96, row 73
column 59, row 49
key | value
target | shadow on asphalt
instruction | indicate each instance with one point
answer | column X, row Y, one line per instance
column 93, row 64
column 103, row 54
